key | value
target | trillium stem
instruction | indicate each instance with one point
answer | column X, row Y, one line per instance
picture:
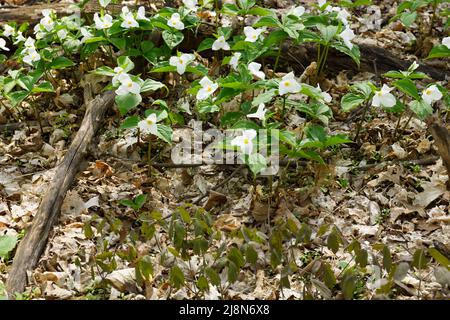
column 283, row 111
column 398, row 125
column 277, row 60
column 149, row 157
column 363, row 117
column 407, row 122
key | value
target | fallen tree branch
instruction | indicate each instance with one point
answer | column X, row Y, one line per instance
column 35, row 240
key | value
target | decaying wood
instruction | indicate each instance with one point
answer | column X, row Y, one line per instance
column 441, row 137
column 33, row 13
column 373, row 59
column 35, row 240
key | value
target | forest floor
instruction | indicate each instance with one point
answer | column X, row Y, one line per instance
column 385, row 189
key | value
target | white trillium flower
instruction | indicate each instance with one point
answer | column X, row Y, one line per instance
column 288, row 84
column 431, row 94
column 62, row 34
column 207, row 89
column 8, row 30
column 235, row 60
column 260, row 113
column 347, row 36
column 244, row 142
column 127, row 85
column 175, row 22
column 325, row 95
column 446, row 42
column 19, row 38
column 29, row 44
column 343, row 15
column 47, row 12
column 298, row 11
column 86, row 34
column 252, row 34
column 191, row 5
column 148, row 125
column 118, row 72
column 3, row 45
column 254, row 69
column 384, row 98
column 48, row 23
column 141, row 14
column 32, row 56
column 104, row 22
column 181, row 62
column 129, row 21
column 413, row 66
column 220, row 43
column 321, row 3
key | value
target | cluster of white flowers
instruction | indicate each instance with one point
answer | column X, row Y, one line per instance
column 126, row 84
column 384, row 97
column 3, row 45
column 30, row 53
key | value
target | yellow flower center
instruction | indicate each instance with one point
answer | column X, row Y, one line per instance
column 246, row 141
column 209, row 89
column 130, row 84
column 150, row 122
column 428, row 92
column 254, row 36
column 181, row 61
column 379, row 93
column 287, row 83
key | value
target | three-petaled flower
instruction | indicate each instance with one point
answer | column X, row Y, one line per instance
column 128, row 19
column 431, row 94
column 384, row 97
column 347, row 36
column 103, row 22
column 446, row 42
column 191, row 5
column 297, row 11
column 244, row 142
column 260, row 113
column 148, row 125
column 288, row 84
column 181, row 62
column 252, row 34
column 3, row 45
column 234, row 60
column 220, row 43
column 207, row 89
column 175, row 21
column 127, row 85
column 254, row 69
column 31, row 56
column 8, row 30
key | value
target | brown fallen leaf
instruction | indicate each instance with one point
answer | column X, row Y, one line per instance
column 215, row 199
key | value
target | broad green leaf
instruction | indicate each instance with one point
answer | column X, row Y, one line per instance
column 439, row 257
column 164, row 133
column 61, row 63
column 440, row 51
column 333, row 241
column 213, row 276
column 172, row 39
column 420, row 261
column 104, row 71
column 401, row 270
column 152, row 85
column 421, row 109
column 140, row 200
column 408, row 87
column 353, row 53
column 125, row 63
column 44, row 86
column 130, row 122
column 205, row 44
column 408, row 18
column 7, row 244
column 351, row 101
column 176, row 277
column 256, row 163
column 128, row 102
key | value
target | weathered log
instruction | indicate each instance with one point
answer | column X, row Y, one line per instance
column 373, row 59
column 35, row 240
column 441, row 137
column 33, row 13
